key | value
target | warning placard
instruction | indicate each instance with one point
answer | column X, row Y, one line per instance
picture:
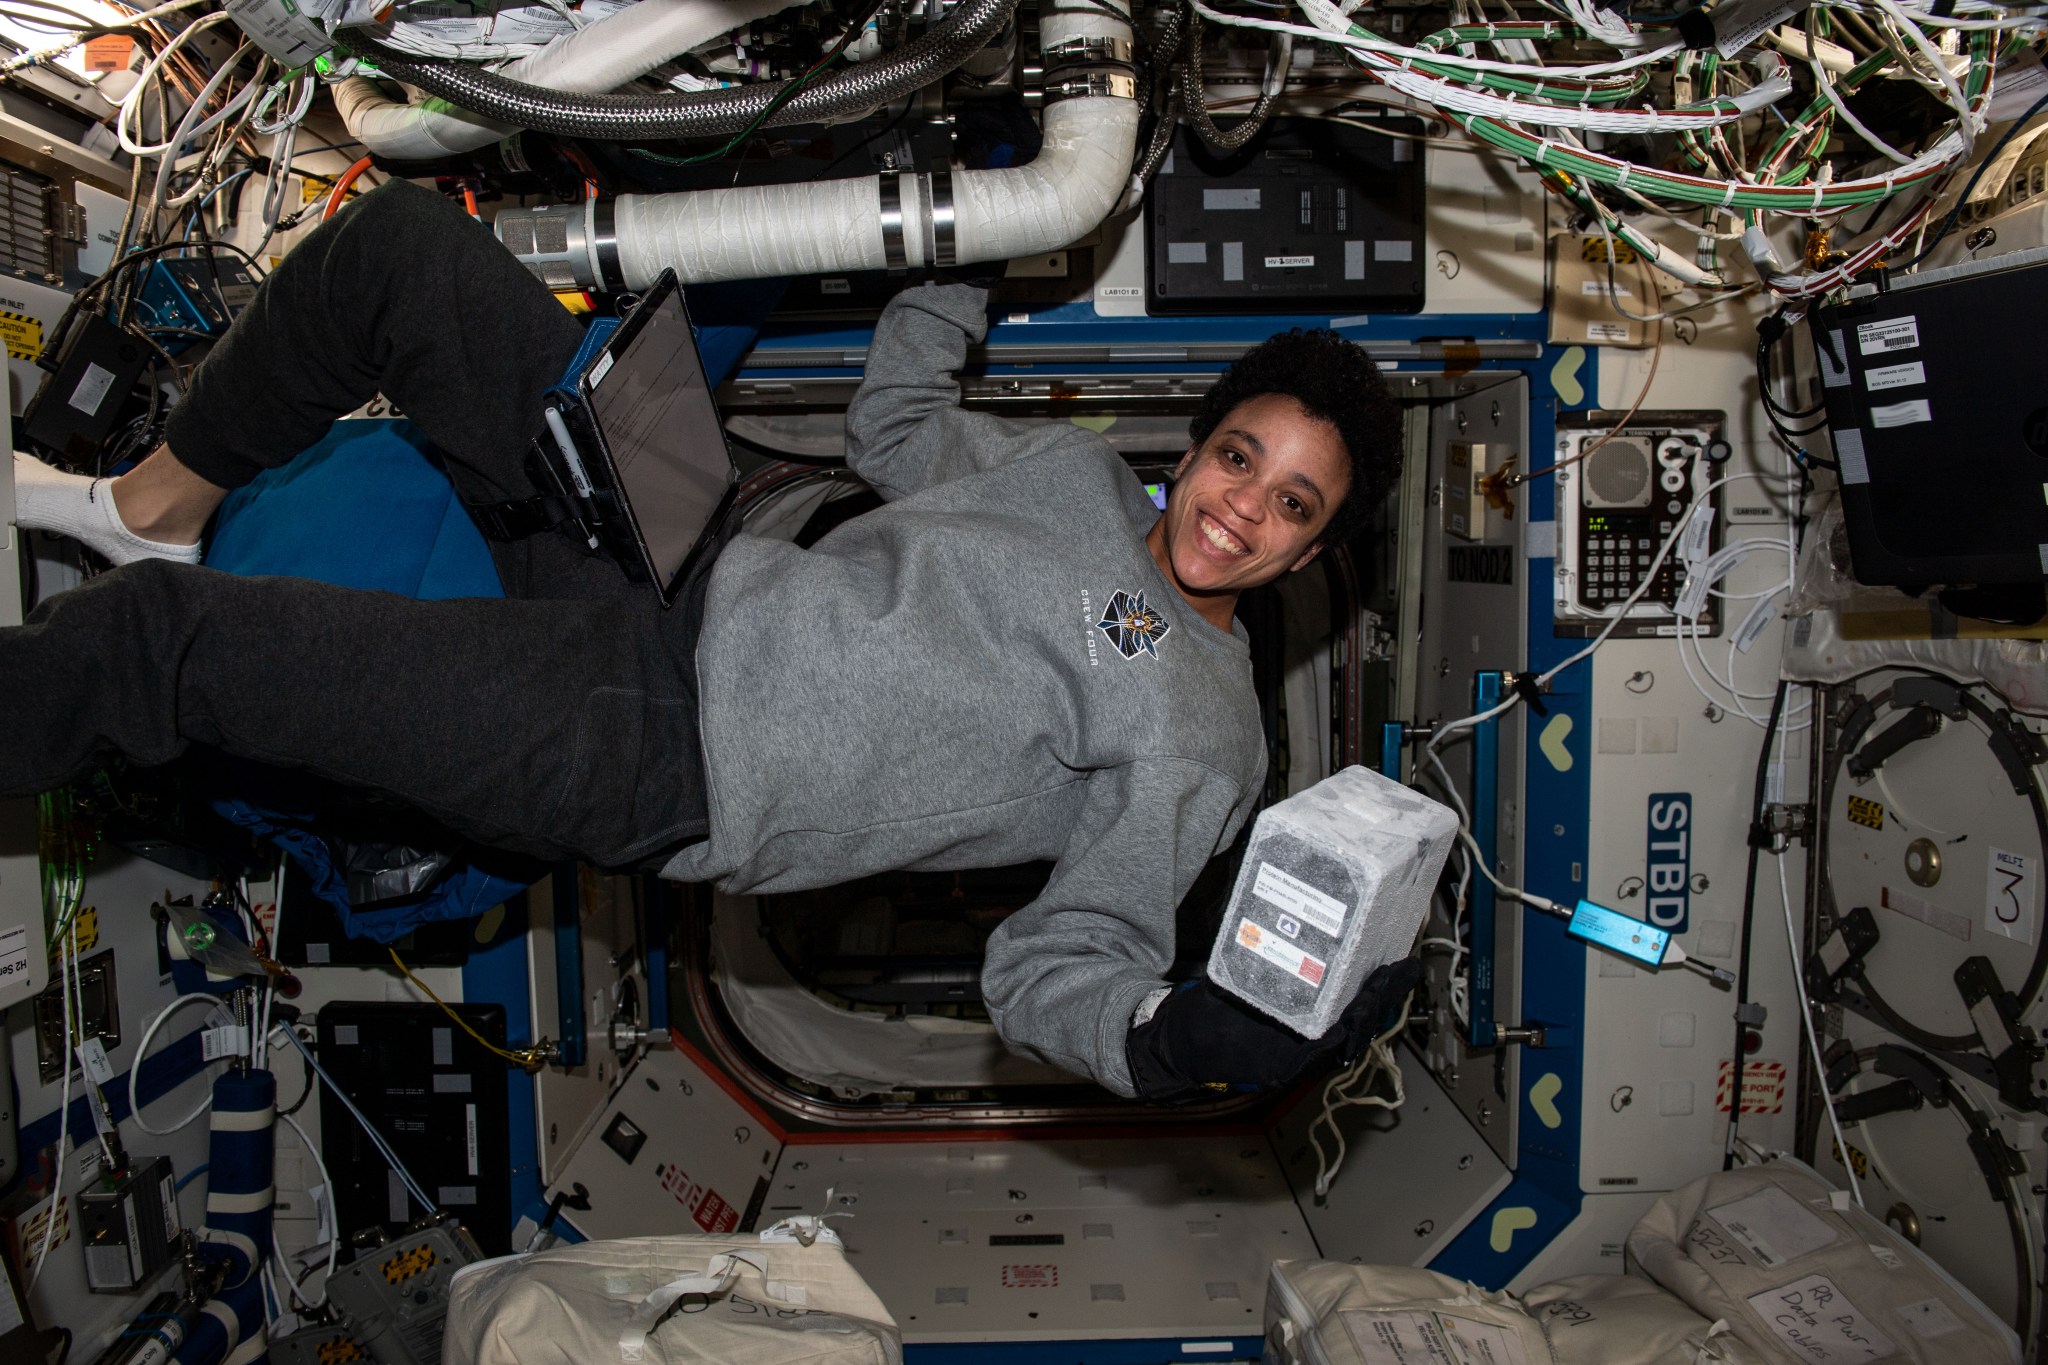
column 22, row 334
column 1763, row 1087
column 1031, row 1277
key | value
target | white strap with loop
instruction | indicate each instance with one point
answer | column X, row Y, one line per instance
column 713, row 1280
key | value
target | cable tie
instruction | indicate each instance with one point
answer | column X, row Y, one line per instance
column 1621, row 177
column 1728, row 199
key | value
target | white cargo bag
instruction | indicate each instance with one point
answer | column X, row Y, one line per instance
column 1329, row 1313
column 739, row 1299
column 1621, row 1320
column 1802, row 1275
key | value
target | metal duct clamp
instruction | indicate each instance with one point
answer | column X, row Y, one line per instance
column 1107, row 80
column 1088, row 50
column 566, row 246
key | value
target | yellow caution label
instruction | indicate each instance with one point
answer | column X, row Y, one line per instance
column 1866, row 812
column 340, row 1351
column 22, row 333
column 1594, row 251
column 407, row 1264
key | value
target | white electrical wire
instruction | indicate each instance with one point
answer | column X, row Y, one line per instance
column 133, row 100
column 142, row 1050
column 64, row 948
column 333, row 1233
column 305, row 88
column 369, row 1129
column 167, row 164
column 1543, row 679
column 1841, row 106
column 1378, row 1059
column 1820, row 1066
column 1365, row 42
column 95, row 1098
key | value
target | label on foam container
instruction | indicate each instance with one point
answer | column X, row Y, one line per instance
column 1299, row 899
column 1280, row 952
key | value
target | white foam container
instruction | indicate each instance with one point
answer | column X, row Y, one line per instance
column 1336, row 882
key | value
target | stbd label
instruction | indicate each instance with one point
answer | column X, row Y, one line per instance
column 1668, row 859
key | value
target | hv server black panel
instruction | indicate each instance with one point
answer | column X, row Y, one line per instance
column 1313, row 215
column 437, row 1097
column 1939, row 416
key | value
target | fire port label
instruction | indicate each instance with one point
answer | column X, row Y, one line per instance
column 1668, row 858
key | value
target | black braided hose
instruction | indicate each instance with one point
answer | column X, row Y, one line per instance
column 848, row 92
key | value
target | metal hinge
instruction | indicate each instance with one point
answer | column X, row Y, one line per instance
column 69, row 221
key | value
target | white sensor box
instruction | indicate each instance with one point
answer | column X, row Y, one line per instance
column 1336, row 882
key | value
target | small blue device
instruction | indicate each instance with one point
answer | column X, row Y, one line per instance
column 1618, row 933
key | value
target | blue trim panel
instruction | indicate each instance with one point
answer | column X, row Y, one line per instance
column 1076, row 325
column 163, row 1071
column 659, row 899
column 1393, row 741
column 1142, row 1352
column 496, row 974
column 568, row 921
column 1545, row 1196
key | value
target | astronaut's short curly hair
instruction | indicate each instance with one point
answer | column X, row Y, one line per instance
column 1336, row 382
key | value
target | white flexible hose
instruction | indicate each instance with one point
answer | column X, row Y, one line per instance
column 621, row 47
column 761, row 231
column 766, row 230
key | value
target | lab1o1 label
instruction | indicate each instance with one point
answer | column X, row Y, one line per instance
column 1669, row 860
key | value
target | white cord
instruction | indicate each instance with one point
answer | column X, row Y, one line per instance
column 134, row 98
column 1338, row 1094
column 370, row 1129
column 1820, row 1067
column 142, row 1050
column 95, row 1098
column 333, row 1233
column 64, row 947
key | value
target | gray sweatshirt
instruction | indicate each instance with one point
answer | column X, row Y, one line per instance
column 932, row 686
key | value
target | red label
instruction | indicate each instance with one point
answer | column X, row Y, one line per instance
column 1311, row 971
column 715, row 1215
column 706, row 1205
column 1763, row 1087
column 1031, row 1277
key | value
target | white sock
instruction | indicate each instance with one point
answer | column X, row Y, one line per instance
column 47, row 499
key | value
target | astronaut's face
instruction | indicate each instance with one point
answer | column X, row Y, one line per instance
column 1250, row 503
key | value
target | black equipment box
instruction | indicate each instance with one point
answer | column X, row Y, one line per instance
column 437, row 1097
column 1939, row 418
column 129, row 1226
column 1312, row 215
column 77, row 406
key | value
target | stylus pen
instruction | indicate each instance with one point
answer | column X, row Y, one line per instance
column 567, row 445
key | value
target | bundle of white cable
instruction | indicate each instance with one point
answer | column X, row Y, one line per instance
column 619, row 48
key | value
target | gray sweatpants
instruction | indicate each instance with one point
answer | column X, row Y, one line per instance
column 560, row 721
